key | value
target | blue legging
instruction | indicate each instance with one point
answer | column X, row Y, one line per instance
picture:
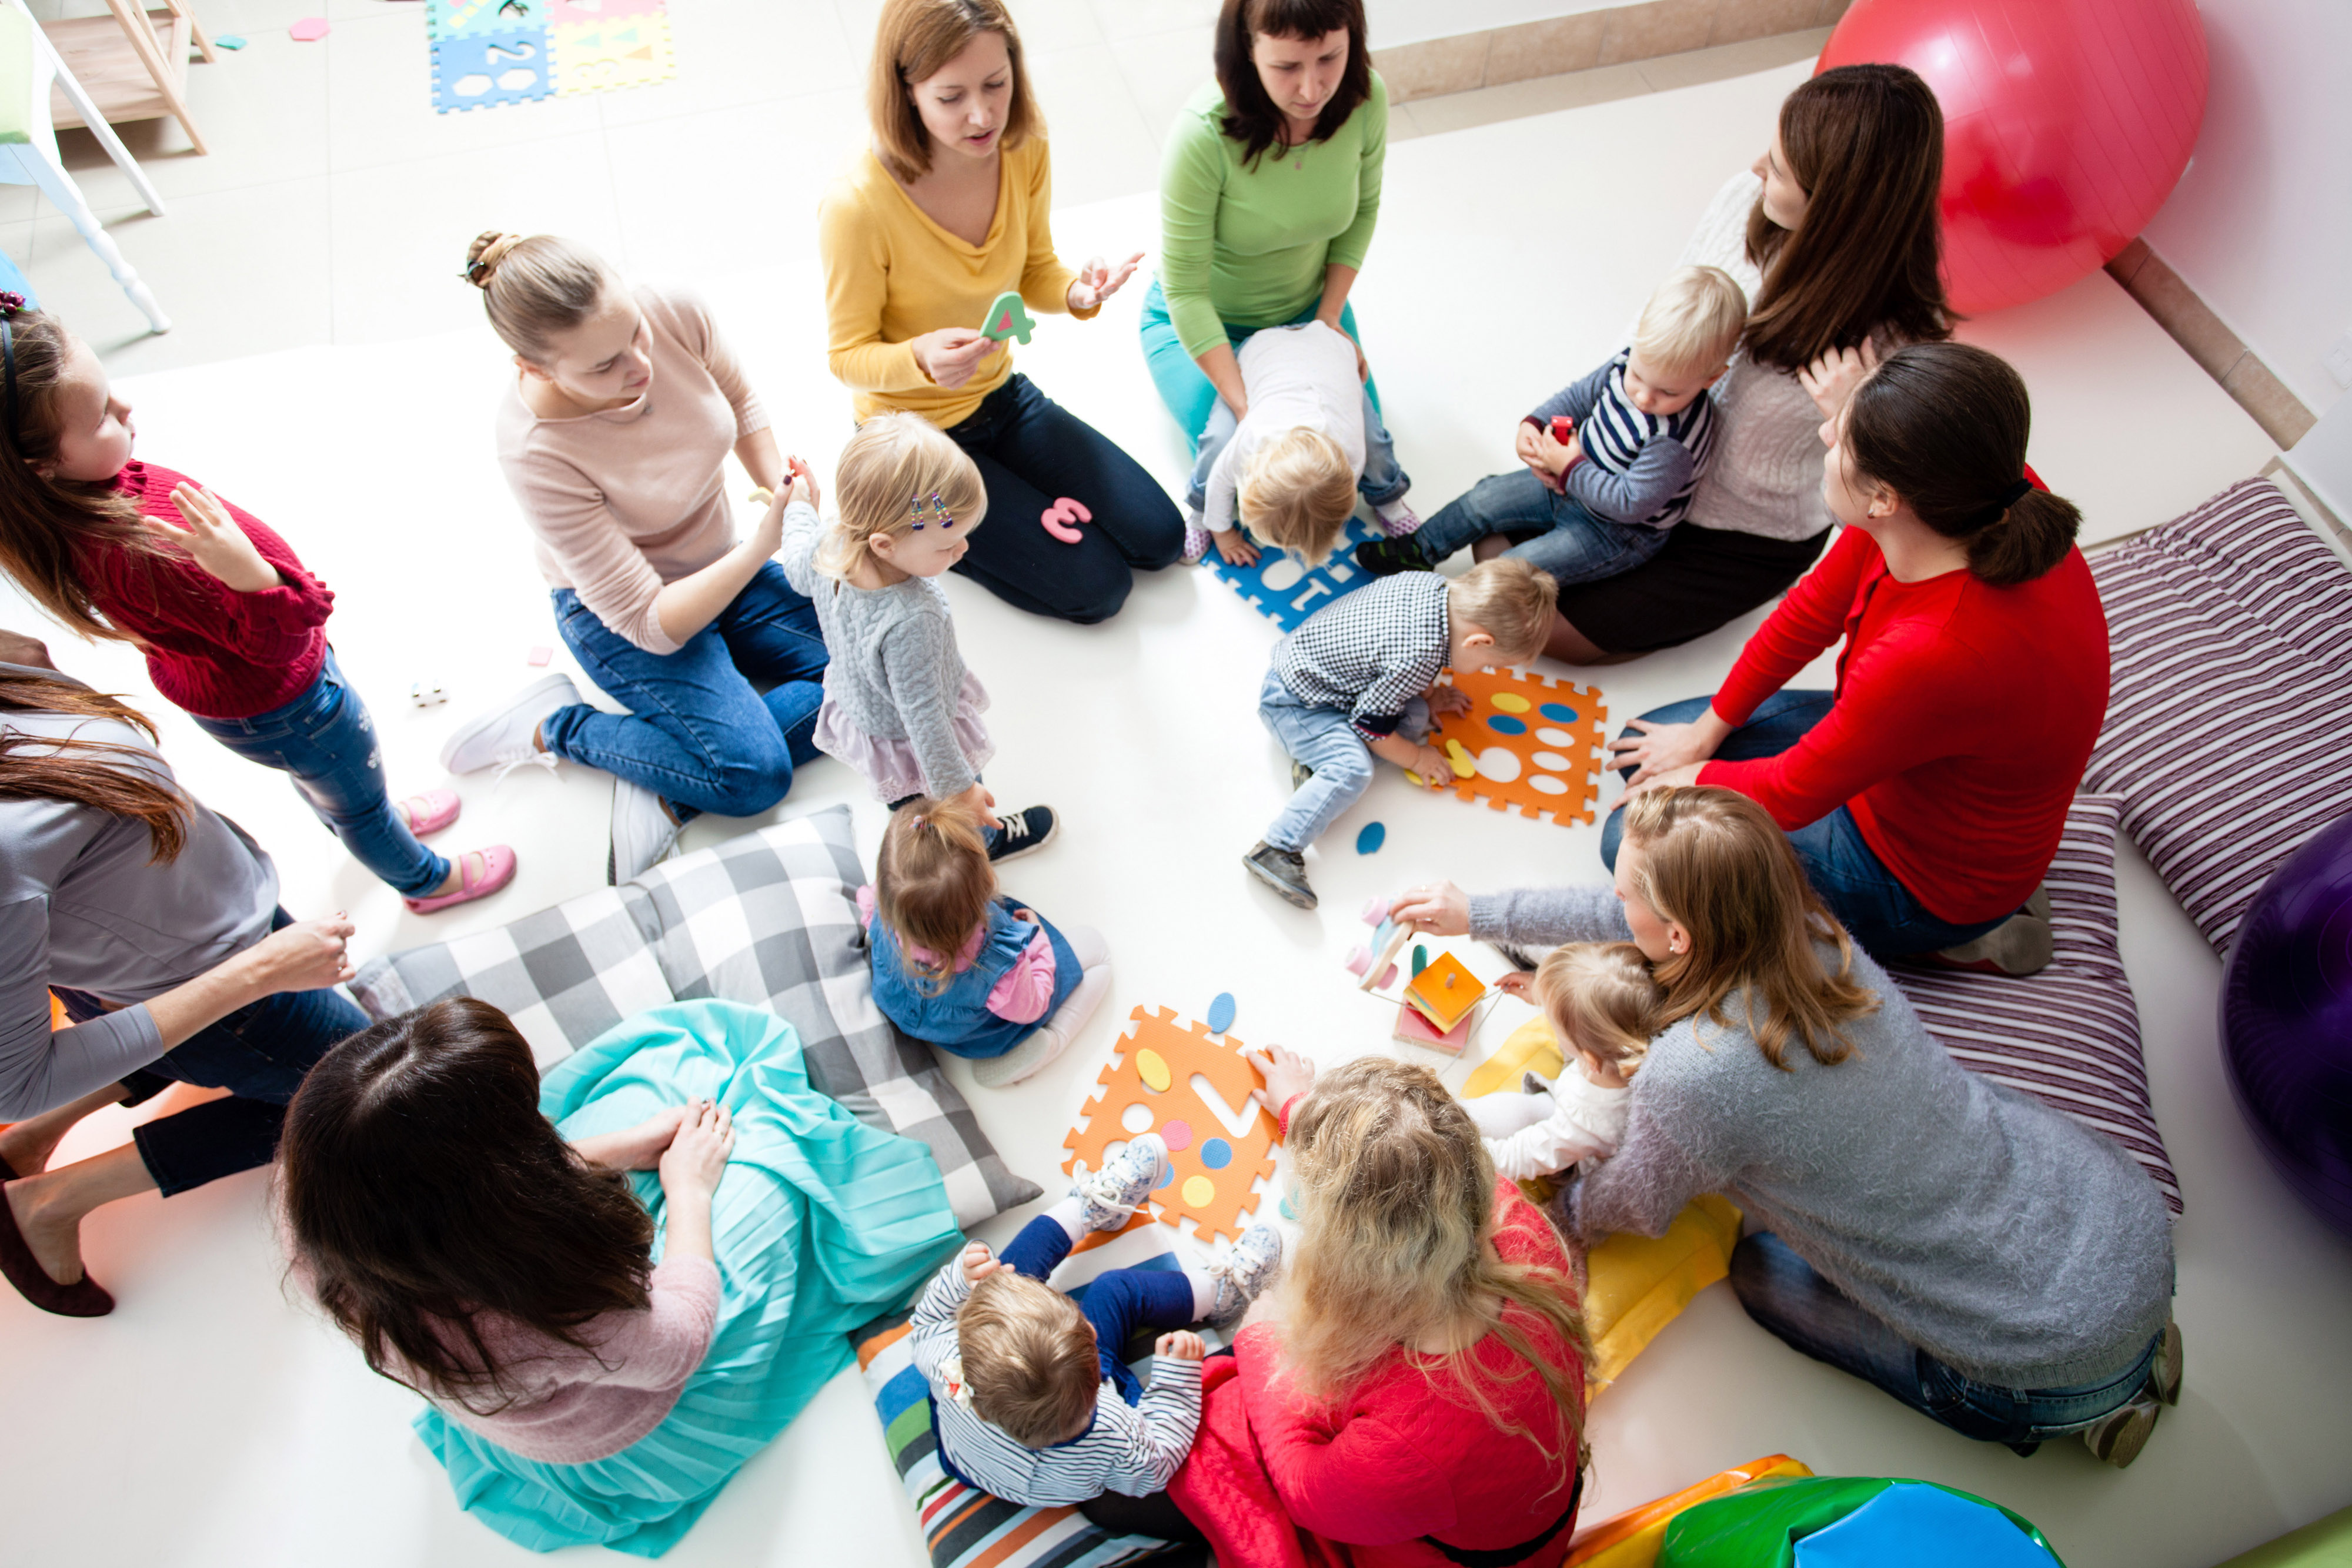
column 1118, row 1302
column 1183, row 386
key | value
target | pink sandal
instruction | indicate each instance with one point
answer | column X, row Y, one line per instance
column 431, row 811
column 497, row 870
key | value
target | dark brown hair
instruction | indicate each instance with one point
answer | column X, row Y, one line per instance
column 535, row 287
column 913, row 42
column 1866, row 142
column 1944, row 426
column 932, row 884
column 1251, row 117
column 422, row 1188
column 45, row 523
column 102, row 774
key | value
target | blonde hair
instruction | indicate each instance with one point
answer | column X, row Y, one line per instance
column 1028, row 1358
column 932, row 884
column 913, row 42
column 1297, row 494
column 1395, row 1196
column 894, row 462
column 535, row 287
column 1716, row 865
column 1602, row 998
column 1510, row 601
column 1693, row 322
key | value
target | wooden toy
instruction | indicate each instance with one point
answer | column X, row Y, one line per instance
column 1445, row 993
column 1215, row 1171
column 1411, row 1029
column 1008, row 318
column 1534, row 744
column 1388, row 939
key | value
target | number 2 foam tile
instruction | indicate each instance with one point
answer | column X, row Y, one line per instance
column 1216, row 1172
column 484, row 70
column 1536, row 743
column 620, row 51
column 1278, row 587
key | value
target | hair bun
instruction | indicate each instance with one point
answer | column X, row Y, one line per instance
column 482, row 257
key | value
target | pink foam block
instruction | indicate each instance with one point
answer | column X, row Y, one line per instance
column 309, row 30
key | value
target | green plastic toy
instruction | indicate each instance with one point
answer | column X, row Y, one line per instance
column 1008, row 318
column 1836, row 1521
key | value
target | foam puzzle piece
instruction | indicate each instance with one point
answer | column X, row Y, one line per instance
column 1008, row 318
column 462, row 19
column 1371, row 837
column 1220, row 1016
column 1535, row 742
column 560, row 12
column 309, row 30
column 623, row 51
column 1063, row 517
column 229, row 41
column 1212, row 1183
column 484, row 70
column 1286, row 592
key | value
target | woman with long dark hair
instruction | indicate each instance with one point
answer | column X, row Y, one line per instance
column 154, row 923
column 612, row 1287
column 1926, row 794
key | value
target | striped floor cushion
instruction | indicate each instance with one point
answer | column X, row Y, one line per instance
column 2227, row 728
column 2069, row 1035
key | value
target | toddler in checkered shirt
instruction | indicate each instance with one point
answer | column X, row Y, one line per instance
column 1358, row 680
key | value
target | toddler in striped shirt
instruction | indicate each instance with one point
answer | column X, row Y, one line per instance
column 1604, row 493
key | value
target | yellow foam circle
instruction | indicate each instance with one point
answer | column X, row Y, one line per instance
column 1511, row 702
column 1199, row 1192
column 1152, row 1069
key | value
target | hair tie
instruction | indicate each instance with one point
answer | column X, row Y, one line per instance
column 2016, row 493
column 917, row 825
column 492, row 254
column 11, row 305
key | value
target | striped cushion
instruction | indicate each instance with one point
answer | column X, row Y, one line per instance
column 2069, row 1034
column 2231, row 631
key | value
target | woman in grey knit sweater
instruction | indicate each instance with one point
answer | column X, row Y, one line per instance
column 1975, row 1254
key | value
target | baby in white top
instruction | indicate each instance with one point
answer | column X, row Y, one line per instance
column 1287, row 472
column 1603, row 1006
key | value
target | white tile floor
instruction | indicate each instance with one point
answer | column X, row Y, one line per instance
column 330, row 374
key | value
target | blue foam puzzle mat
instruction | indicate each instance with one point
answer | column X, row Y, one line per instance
column 1285, row 592
column 484, row 70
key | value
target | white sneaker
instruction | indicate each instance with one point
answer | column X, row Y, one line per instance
column 1114, row 1192
column 1244, row 1274
column 503, row 735
column 644, row 834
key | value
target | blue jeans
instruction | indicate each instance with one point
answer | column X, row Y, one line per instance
column 697, row 734
column 1031, row 452
column 259, row 1053
column 1579, row 546
column 1781, row 1291
column 1324, row 740
column 1874, row 907
column 1382, row 481
column 325, row 741
column 1186, row 389
column 1118, row 1302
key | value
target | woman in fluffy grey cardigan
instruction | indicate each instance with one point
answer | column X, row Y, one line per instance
column 1970, row 1251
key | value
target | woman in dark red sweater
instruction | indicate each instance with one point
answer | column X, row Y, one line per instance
column 233, row 627
column 1928, row 793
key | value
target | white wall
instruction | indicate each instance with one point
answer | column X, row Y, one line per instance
column 2261, row 226
column 1394, row 22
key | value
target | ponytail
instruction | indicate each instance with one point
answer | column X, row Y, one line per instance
column 933, row 883
column 100, row 774
column 1944, row 425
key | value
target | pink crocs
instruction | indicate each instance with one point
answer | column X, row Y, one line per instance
column 431, row 811
column 497, row 864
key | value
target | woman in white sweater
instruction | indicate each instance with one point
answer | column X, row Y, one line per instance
column 1834, row 236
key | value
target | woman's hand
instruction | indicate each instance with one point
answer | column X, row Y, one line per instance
column 1673, row 779
column 1443, row 910
column 1181, row 1345
column 696, row 1157
column 307, row 956
column 1829, row 381
column 804, row 490
column 1667, row 748
column 1235, row 546
column 768, row 537
column 979, row 1263
column 637, row 1149
column 1286, row 1074
column 951, row 355
column 215, row 541
column 1097, row 281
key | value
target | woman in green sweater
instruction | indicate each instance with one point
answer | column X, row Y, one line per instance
column 1269, row 190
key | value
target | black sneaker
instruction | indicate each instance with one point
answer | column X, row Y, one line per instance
column 1285, row 870
column 1022, row 833
column 1386, row 558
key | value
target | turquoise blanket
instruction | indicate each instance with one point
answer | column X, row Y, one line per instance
column 820, row 1223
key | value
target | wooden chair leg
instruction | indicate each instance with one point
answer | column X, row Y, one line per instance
column 60, row 187
column 181, row 9
column 141, row 33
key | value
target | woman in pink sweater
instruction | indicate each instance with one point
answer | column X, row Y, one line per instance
column 624, row 406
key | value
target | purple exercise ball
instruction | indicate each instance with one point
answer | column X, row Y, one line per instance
column 2287, row 1021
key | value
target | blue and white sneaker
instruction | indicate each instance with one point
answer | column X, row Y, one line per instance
column 1244, row 1274
column 1116, row 1192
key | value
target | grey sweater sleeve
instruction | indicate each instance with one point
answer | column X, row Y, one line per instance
column 41, row 1068
column 1656, row 477
column 1548, row 916
column 1574, row 400
column 803, row 531
column 920, row 664
column 1640, row 1187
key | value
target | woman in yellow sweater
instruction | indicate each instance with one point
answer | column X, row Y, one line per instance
column 950, row 208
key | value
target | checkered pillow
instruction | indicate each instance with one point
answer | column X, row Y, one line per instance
column 2232, row 633
column 769, row 919
column 2069, row 1034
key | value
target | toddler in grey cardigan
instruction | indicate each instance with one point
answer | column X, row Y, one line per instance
column 899, row 705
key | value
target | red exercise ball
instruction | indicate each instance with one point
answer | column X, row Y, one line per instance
column 2066, row 124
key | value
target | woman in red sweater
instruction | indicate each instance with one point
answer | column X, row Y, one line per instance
column 1928, row 793
column 233, row 627
column 1413, row 1395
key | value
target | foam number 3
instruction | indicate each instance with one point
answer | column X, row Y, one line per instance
column 1063, row 517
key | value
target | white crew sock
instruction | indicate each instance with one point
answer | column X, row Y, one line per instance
column 1204, row 1293
column 1066, row 1214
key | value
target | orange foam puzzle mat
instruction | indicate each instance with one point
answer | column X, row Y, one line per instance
column 1148, row 1089
column 1534, row 743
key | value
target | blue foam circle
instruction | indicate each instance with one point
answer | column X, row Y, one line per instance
column 1220, row 1013
column 1503, row 724
column 1374, row 836
column 1559, row 713
column 1216, row 1154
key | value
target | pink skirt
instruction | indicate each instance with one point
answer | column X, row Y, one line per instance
column 890, row 765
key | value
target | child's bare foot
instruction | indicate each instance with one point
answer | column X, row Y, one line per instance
column 55, row 1243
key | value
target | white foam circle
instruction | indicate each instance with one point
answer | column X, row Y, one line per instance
column 1500, row 763
column 1551, row 760
column 1546, row 784
column 1284, row 573
column 1136, row 1118
column 1550, row 737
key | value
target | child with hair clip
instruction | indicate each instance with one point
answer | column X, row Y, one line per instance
column 957, row 964
column 1018, row 1372
column 1604, row 1006
column 233, row 628
column 899, row 705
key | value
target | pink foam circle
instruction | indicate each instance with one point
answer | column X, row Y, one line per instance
column 310, row 29
column 1176, row 1135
